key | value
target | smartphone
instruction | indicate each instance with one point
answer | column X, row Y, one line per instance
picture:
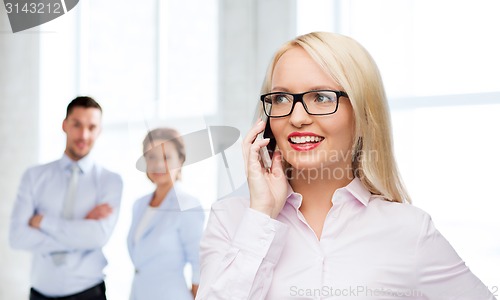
column 266, row 153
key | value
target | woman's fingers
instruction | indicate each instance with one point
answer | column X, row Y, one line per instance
column 253, row 161
column 250, row 138
column 277, row 167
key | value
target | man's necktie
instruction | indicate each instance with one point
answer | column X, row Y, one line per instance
column 59, row 258
column 69, row 201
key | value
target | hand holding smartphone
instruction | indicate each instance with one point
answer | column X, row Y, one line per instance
column 268, row 191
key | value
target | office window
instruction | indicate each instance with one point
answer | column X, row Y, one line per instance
column 187, row 54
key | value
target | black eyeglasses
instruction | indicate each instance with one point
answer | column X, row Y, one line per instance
column 317, row 102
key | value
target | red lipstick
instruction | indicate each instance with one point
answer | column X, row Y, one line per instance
column 304, row 141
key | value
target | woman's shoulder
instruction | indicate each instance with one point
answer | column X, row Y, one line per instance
column 237, row 201
column 233, row 203
column 230, row 210
column 143, row 200
column 403, row 214
column 395, row 206
column 230, row 214
column 184, row 198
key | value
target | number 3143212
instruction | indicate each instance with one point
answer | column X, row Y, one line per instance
column 34, row 8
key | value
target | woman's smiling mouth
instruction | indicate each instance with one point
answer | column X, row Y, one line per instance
column 304, row 141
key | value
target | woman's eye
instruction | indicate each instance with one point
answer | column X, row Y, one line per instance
column 324, row 98
column 279, row 99
column 152, row 157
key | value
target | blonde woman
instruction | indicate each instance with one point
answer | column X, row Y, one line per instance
column 166, row 225
column 331, row 218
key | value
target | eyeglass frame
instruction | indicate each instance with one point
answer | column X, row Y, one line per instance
column 300, row 98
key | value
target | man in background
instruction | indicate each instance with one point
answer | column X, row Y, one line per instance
column 65, row 212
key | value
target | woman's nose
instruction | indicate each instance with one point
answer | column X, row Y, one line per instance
column 299, row 116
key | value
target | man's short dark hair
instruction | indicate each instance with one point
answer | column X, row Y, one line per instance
column 82, row 101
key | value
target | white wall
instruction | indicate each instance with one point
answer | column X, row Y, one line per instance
column 19, row 115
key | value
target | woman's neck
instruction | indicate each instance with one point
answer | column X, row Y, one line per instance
column 160, row 193
column 317, row 191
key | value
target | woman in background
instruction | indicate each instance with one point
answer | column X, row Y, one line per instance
column 166, row 225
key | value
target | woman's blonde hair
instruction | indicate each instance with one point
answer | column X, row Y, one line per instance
column 353, row 68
